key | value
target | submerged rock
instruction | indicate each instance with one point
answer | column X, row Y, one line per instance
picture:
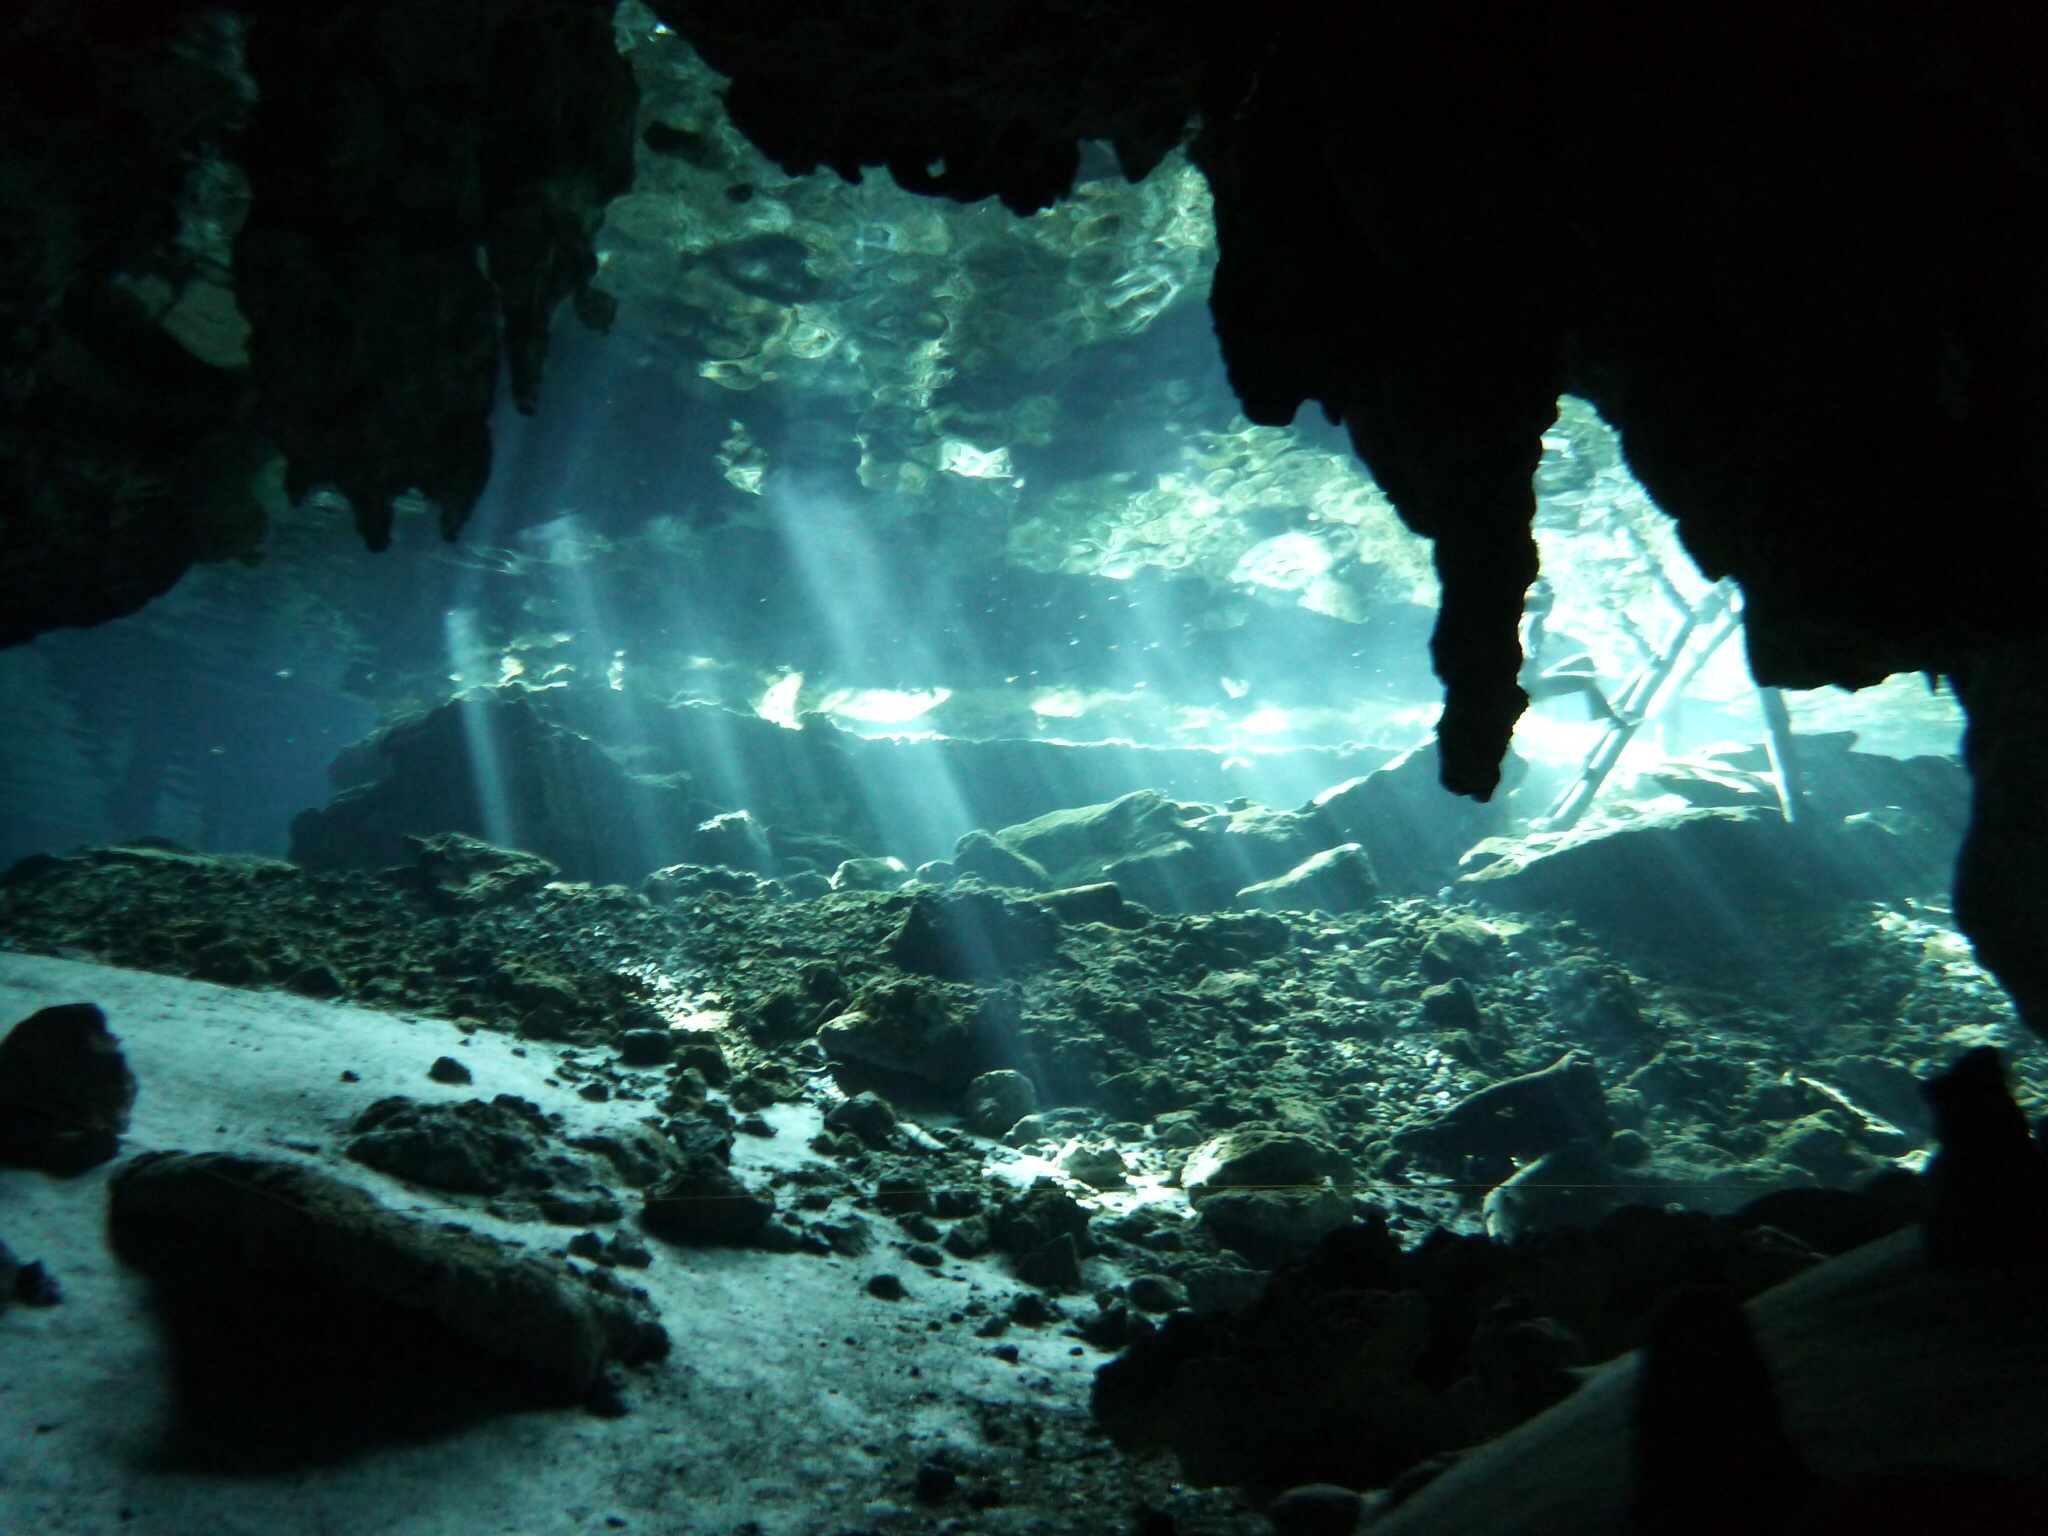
column 704, row 1203
column 470, row 1148
column 1273, row 1226
column 26, row 1283
column 1697, row 884
column 1488, row 1132
column 576, row 809
column 181, row 1216
column 1411, row 827
column 65, row 1090
column 1462, row 949
column 454, row 870
column 870, row 874
column 1099, row 1165
column 987, row 858
column 1259, row 1157
column 1315, row 1509
column 1338, row 879
column 1570, row 1187
column 973, row 936
column 867, row 1115
column 996, row 1101
column 1164, row 854
column 908, row 1029
column 1037, row 1219
column 1990, row 1178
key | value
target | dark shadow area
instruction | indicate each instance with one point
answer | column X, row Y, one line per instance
column 273, row 1372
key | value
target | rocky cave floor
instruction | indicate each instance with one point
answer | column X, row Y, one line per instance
column 968, row 1147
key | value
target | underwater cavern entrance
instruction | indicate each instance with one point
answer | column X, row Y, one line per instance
column 878, row 943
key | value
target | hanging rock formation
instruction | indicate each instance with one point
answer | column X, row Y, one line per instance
column 1793, row 256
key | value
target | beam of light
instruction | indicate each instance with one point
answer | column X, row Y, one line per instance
column 466, row 659
column 568, row 544
column 916, row 807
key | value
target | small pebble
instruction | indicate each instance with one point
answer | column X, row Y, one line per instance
column 886, row 1287
column 446, row 1069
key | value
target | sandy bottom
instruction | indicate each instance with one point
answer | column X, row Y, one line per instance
column 792, row 1399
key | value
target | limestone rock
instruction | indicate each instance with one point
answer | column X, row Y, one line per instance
column 867, row 1115
column 1462, row 948
column 455, row 870
column 1056, row 1266
column 1273, row 1226
column 175, row 1214
column 1338, row 879
column 65, row 1090
column 1074, row 846
column 1411, row 827
column 1315, row 1509
column 969, row 1239
column 908, row 1029
column 972, row 935
column 580, row 815
column 1257, row 1156
column 1041, row 1214
column 982, row 855
column 1451, row 1005
column 732, row 840
column 636, row 1154
column 1222, row 1286
column 870, row 874
column 1570, row 1187
column 1520, row 1118
column 683, row 882
column 27, row 1283
column 704, row 1203
column 1099, row 903
column 471, row 1148
column 645, row 1047
column 1639, row 883
column 1157, row 1293
column 997, row 1100
column 1099, row 1165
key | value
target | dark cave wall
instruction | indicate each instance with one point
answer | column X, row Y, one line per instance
column 424, row 179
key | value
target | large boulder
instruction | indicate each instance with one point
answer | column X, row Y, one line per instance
column 65, row 1090
column 704, row 1204
column 1338, row 879
column 487, row 765
column 1257, row 1156
column 505, row 1149
column 1410, row 826
column 187, row 1219
column 971, row 935
column 1696, row 884
column 936, row 1034
column 997, row 1100
column 1162, row 853
column 1274, row 1226
column 470, row 1148
column 987, row 858
column 1485, row 1134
